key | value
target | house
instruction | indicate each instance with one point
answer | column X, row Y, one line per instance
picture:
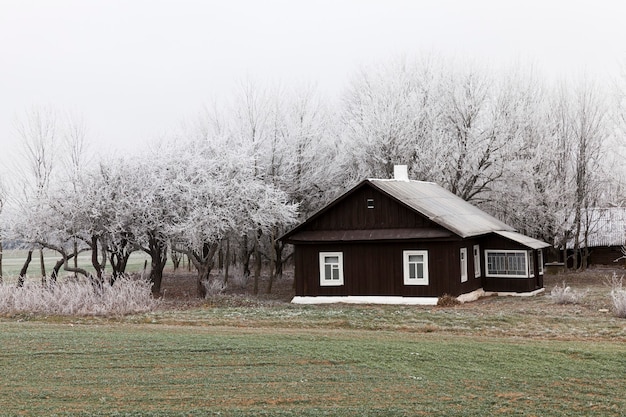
column 603, row 233
column 400, row 241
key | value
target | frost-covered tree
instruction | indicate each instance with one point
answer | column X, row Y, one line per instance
column 53, row 196
column 450, row 123
column 388, row 117
column 219, row 195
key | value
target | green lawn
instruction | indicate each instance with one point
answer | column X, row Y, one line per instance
column 89, row 366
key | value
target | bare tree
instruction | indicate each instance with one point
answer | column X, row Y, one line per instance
column 588, row 136
column 38, row 133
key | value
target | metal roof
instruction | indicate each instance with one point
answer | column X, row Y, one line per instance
column 607, row 227
column 442, row 207
column 523, row 239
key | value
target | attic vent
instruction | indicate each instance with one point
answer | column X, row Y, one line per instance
column 370, row 203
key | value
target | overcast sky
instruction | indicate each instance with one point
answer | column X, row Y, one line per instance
column 134, row 69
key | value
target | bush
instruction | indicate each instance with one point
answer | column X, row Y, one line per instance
column 566, row 295
column 447, row 300
column 78, row 298
column 618, row 295
column 214, row 287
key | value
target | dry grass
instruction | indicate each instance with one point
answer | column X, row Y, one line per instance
column 618, row 295
column 564, row 294
column 78, row 298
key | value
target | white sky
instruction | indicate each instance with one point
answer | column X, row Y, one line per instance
column 135, row 68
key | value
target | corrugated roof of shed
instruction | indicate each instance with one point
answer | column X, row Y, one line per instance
column 442, row 207
column 607, row 227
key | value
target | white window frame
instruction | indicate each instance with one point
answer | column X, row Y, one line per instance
column 463, row 264
column 329, row 281
column 540, row 260
column 488, row 273
column 531, row 264
column 415, row 281
column 477, row 261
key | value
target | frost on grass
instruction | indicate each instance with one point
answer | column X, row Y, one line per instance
column 563, row 294
column 79, row 298
column 618, row 295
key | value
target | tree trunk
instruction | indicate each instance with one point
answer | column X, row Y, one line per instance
column 277, row 262
column 204, row 264
column 257, row 262
column 176, row 257
column 245, row 257
column 94, row 258
column 57, row 267
column 43, row 267
column 20, row 280
column 227, row 263
column 75, row 255
column 203, row 276
column 157, row 249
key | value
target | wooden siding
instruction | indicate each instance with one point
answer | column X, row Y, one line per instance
column 606, row 256
column 377, row 269
column 495, row 242
column 352, row 214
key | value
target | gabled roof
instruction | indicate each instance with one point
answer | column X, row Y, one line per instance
column 441, row 206
column 429, row 200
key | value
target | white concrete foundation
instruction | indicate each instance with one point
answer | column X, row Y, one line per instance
column 397, row 300
column 350, row 299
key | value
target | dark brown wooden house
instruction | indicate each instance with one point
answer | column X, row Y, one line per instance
column 401, row 241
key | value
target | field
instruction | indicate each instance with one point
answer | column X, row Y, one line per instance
column 239, row 355
column 12, row 261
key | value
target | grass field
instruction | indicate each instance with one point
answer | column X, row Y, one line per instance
column 13, row 260
column 58, row 369
column 240, row 356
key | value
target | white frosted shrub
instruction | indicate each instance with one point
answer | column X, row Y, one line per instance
column 618, row 295
column 563, row 294
column 79, row 298
column 214, row 287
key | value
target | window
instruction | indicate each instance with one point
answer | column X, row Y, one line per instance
column 415, row 267
column 531, row 264
column 331, row 268
column 370, row 203
column 540, row 260
column 507, row 263
column 463, row 257
column 476, row 261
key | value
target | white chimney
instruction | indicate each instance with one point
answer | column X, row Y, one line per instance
column 400, row 173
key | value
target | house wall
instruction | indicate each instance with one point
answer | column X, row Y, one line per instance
column 352, row 214
column 377, row 269
column 496, row 242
